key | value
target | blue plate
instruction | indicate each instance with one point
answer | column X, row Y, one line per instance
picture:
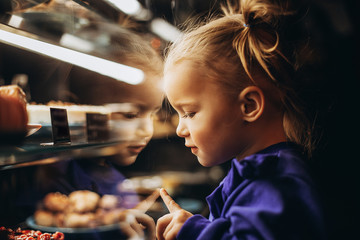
column 106, row 228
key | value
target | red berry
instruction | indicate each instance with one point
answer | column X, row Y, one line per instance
column 58, row 236
column 45, row 236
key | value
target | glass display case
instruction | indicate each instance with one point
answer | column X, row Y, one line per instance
column 41, row 43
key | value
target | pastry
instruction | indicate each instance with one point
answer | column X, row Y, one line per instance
column 108, row 201
column 80, row 208
column 56, row 202
column 76, row 220
column 83, row 201
column 44, row 218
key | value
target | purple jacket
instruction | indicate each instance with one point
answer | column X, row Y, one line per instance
column 268, row 195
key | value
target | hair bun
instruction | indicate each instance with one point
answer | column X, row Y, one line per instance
column 261, row 12
column 258, row 12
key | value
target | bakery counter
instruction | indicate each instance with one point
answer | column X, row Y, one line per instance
column 31, row 153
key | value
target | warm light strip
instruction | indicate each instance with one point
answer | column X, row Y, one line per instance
column 130, row 7
column 105, row 67
column 165, row 30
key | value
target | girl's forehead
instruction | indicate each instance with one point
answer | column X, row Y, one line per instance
column 180, row 77
column 186, row 84
column 188, row 76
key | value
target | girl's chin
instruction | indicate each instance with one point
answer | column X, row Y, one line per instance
column 129, row 160
column 210, row 161
column 206, row 163
column 125, row 161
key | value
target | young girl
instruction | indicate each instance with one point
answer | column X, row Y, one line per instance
column 232, row 83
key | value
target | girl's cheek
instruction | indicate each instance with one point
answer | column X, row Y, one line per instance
column 145, row 127
column 123, row 129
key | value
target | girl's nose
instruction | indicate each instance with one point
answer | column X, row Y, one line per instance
column 181, row 130
column 145, row 128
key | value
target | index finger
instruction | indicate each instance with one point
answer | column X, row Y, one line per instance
column 171, row 205
column 144, row 205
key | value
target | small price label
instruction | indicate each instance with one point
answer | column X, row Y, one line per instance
column 60, row 126
column 97, row 127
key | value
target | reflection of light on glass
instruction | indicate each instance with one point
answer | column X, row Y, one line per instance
column 71, row 41
column 133, row 8
column 102, row 66
column 149, row 183
column 164, row 29
column 130, row 7
column 15, row 21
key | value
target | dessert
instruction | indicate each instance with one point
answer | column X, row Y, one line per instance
column 19, row 234
column 56, row 201
column 77, row 220
column 86, row 209
column 44, row 218
column 83, row 201
column 108, row 202
column 79, row 209
column 13, row 113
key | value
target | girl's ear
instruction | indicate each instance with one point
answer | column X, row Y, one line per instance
column 252, row 103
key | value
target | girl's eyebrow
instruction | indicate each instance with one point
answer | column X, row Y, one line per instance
column 144, row 107
column 185, row 104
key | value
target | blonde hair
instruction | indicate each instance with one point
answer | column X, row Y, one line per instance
column 247, row 45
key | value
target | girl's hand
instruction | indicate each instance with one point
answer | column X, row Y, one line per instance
column 133, row 223
column 169, row 225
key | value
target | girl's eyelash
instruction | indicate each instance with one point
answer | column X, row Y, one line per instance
column 130, row 115
column 190, row 115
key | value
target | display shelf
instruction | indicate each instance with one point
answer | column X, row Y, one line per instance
column 29, row 154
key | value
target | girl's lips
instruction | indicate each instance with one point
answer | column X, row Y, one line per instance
column 194, row 150
column 136, row 149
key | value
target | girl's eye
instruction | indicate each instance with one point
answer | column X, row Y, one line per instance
column 130, row 115
column 125, row 115
column 188, row 115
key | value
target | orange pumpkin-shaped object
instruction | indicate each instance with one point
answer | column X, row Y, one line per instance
column 13, row 114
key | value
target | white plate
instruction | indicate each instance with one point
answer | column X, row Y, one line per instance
column 32, row 128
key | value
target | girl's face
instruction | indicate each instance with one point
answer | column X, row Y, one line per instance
column 209, row 121
column 134, row 127
column 132, row 123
